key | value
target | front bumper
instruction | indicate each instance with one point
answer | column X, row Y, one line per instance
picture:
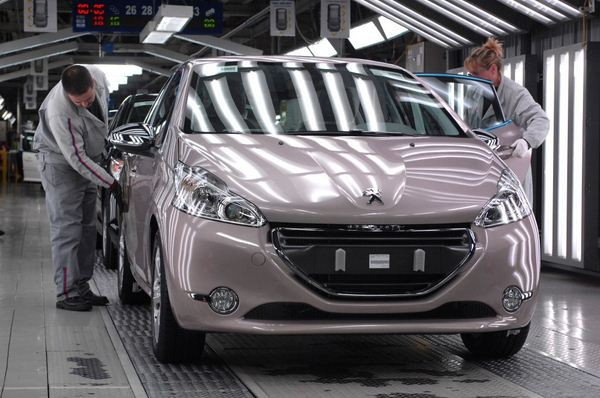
column 213, row 254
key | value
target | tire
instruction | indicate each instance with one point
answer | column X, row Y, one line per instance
column 109, row 252
column 129, row 291
column 170, row 343
column 502, row 344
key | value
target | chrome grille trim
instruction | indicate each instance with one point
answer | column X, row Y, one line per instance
column 343, row 228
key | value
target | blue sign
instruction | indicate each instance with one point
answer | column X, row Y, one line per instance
column 130, row 16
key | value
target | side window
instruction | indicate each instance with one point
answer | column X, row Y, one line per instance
column 161, row 112
column 118, row 119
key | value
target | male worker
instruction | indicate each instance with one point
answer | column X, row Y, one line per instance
column 70, row 139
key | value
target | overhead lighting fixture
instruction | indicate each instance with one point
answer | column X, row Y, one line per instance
column 322, row 48
column 427, row 23
column 390, row 28
column 461, row 16
column 172, row 18
column 169, row 19
column 149, row 35
column 463, row 4
column 523, row 9
column 565, row 7
column 302, row 51
column 545, row 9
column 395, row 14
column 365, row 35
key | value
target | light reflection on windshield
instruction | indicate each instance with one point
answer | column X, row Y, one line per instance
column 312, row 98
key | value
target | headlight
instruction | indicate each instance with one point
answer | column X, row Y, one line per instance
column 508, row 205
column 203, row 194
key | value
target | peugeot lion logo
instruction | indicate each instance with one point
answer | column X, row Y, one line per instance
column 374, row 195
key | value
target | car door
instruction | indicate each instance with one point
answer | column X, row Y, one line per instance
column 476, row 102
column 141, row 172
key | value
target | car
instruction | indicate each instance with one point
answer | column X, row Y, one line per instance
column 134, row 108
column 293, row 195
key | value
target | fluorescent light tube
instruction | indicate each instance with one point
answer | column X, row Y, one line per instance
column 548, row 187
column 172, row 18
column 545, row 9
column 390, row 28
column 485, row 15
column 577, row 193
column 322, row 48
column 563, row 154
column 302, row 51
column 523, row 9
column 365, row 35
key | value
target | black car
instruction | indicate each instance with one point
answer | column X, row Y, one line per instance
column 133, row 109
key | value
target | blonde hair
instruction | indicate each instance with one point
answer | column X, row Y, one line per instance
column 485, row 56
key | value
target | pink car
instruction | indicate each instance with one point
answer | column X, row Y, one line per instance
column 290, row 195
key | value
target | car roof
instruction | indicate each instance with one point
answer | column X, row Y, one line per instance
column 294, row 58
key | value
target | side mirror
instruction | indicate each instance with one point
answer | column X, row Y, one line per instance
column 134, row 138
column 488, row 138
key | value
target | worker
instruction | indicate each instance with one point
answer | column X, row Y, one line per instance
column 485, row 62
column 69, row 141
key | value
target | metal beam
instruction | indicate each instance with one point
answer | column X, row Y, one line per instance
column 39, row 40
column 225, row 45
column 37, row 54
column 159, row 69
column 163, row 53
column 151, row 68
column 27, row 71
column 125, row 48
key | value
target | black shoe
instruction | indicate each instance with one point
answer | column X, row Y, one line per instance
column 94, row 299
column 74, row 304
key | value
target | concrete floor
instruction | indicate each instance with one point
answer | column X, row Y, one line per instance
column 46, row 352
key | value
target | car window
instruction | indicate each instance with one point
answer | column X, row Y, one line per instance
column 118, row 119
column 321, row 98
column 162, row 109
column 473, row 99
column 138, row 112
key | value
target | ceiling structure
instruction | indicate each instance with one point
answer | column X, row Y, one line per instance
column 448, row 23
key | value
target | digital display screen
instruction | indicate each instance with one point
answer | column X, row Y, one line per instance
column 132, row 15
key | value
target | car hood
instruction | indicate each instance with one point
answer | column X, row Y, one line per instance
column 320, row 179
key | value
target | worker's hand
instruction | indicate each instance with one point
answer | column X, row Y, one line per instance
column 117, row 193
column 520, row 148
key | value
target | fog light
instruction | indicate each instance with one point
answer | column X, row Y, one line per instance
column 223, row 300
column 512, row 298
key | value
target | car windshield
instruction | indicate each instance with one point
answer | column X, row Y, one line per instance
column 312, row 98
column 473, row 99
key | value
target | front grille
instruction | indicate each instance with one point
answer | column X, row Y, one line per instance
column 304, row 312
column 376, row 261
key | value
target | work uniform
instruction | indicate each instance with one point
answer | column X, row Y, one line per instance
column 70, row 140
column 521, row 108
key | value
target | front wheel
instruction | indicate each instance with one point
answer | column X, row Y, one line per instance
column 170, row 342
column 501, row 344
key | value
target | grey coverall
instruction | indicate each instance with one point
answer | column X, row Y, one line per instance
column 519, row 105
column 69, row 141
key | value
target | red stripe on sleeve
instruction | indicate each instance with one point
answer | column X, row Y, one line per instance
column 80, row 159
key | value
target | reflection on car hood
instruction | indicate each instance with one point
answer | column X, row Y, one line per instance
column 316, row 179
